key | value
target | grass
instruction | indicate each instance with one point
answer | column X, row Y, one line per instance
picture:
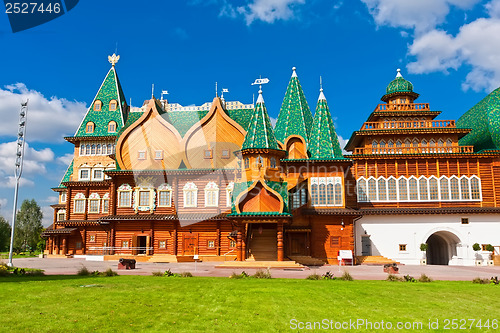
column 205, row 304
column 5, row 255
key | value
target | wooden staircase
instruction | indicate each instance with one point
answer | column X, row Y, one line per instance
column 374, row 260
column 307, row 260
column 263, row 246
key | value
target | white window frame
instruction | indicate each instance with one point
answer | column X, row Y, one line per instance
column 326, row 181
column 229, row 194
column 61, row 212
column 151, row 202
column 94, row 197
column 211, row 192
column 80, row 170
column 98, row 169
column 125, row 188
column 419, row 194
column 105, row 198
column 162, row 189
column 80, row 197
column 190, row 189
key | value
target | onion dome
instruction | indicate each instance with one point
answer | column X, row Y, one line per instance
column 399, row 86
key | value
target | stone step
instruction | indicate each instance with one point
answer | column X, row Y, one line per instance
column 375, row 260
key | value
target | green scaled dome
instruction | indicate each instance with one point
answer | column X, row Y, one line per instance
column 399, row 84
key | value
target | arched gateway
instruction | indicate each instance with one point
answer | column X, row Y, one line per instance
column 442, row 246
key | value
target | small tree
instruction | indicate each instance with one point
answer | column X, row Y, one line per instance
column 490, row 248
column 28, row 226
column 424, row 247
column 476, row 247
column 4, row 234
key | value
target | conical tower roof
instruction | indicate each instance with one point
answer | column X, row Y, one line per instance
column 110, row 90
column 295, row 117
column 324, row 143
column 260, row 134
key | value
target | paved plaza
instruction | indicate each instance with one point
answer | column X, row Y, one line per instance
column 59, row 266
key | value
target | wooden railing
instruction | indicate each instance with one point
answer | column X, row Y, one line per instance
column 397, row 124
column 403, row 107
column 414, row 150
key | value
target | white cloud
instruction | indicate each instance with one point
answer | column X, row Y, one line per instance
column 343, row 143
column 268, row 11
column 65, row 159
column 420, row 15
column 34, row 163
column 434, row 49
column 49, row 120
column 48, row 216
column 477, row 44
column 3, row 203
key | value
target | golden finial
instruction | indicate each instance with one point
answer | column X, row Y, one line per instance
column 113, row 59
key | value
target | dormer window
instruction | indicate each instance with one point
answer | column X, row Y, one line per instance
column 89, row 128
column 97, row 106
column 112, row 127
column 273, row 162
column 112, row 105
column 208, row 153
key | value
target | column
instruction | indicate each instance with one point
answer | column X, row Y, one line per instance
column 217, row 241
column 239, row 255
column 174, row 247
column 280, row 241
column 49, row 244
column 64, row 249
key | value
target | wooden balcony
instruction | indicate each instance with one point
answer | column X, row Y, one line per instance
column 408, row 124
column 414, row 150
column 403, row 107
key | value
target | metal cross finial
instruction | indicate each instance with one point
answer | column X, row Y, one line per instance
column 113, row 59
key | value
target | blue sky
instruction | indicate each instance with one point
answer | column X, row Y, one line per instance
column 449, row 49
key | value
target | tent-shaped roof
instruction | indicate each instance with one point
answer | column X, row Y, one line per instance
column 110, row 90
column 295, row 117
column 260, row 134
column 324, row 143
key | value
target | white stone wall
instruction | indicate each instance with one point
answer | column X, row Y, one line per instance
column 388, row 231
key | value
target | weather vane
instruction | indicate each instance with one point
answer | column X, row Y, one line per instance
column 113, row 59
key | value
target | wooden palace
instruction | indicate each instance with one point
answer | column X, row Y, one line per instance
column 219, row 182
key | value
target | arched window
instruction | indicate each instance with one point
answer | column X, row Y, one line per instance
column 93, row 149
column 79, row 204
column 99, row 150
column 415, row 143
column 440, row 143
column 105, row 203
column 164, row 195
column 112, row 105
column 399, row 144
column 112, row 127
column 314, row 191
column 407, row 143
column 449, row 143
column 444, row 188
column 338, row 194
column 190, row 192
column 382, row 144
column 475, row 188
column 229, row 194
column 390, row 144
column 413, row 189
column 374, row 144
column 89, row 128
column 372, row 189
column 61, row 215
column 97, row 105
column 433, row 189
column 124, row 195
column 422, row 184
column 392, row 189
column 464, row 188
column 247, row 163
column 424, row 143
column 87, row 149
column 322, row 194
column 382, row 189
column 432, row 143
column 259, row 161
column 454, row 189
column 110, row 148
column 362, row 190
column 403, row 189
column 273, row 162
column 211, row 195
column 330, row 189
column 94, row 203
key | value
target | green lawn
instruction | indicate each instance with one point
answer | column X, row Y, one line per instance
column 147, row 303
column 5, row 255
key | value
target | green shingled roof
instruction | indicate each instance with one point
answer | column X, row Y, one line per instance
column 323, row 142
column 260, row 133
column 67, row 175
column 109, row 90
column 295, row 117
column 484, row 120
